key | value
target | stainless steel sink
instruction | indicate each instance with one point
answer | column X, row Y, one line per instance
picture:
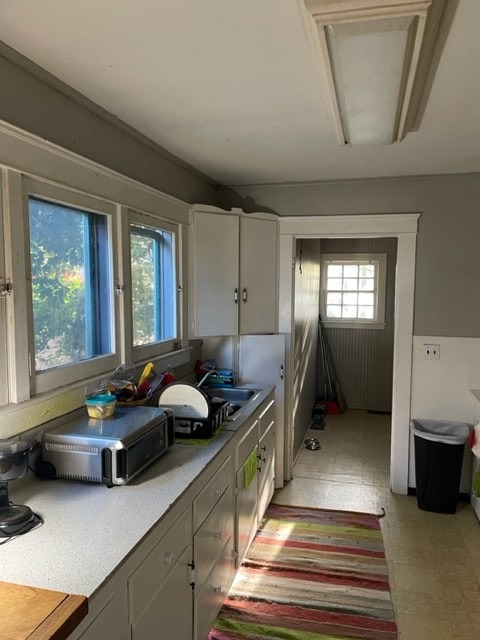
column 233, row 394
column 237, row 398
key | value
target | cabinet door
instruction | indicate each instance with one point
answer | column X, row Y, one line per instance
column 258, row 275
column 211, row 537
column 170, row 614
column 162, row 578
column 212, row 593
column 246, row 510
column 215, row 274
column 111, row 622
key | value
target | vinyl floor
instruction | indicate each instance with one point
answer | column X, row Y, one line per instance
column 433, row 559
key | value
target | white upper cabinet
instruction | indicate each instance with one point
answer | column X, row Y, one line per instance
column 233, row 273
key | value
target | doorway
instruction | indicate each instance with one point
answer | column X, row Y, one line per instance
column 404, row 228
column 362, row 350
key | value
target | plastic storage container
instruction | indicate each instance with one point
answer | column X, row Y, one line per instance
column 101, row 406
column 439, row 448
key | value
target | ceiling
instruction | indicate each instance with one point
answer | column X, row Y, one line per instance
column 232, row 87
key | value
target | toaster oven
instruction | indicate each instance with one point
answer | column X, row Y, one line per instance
column 111, row 451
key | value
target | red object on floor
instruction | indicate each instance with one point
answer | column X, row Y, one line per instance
column 332, row 407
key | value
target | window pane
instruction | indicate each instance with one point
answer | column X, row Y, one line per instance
column 153, row 285
column 334, row 271
column 71, row 284
column 334, row 298
column 350, row 271
column 366, row 312
column 367, row 271
column 366, row 284
column 350, row 298
column 350, row 284
column 334, row 284
column 366, row 299
column 349, row 312
column 334, row 311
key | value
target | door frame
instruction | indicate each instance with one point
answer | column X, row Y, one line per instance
column 404, row 227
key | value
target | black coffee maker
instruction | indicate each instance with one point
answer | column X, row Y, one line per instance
column 15, row 519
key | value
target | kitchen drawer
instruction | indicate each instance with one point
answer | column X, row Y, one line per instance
column 148, row 578
column 210, row 539
column 246, row 444
column 267, row 417
column 209, row 599
column 211, row 493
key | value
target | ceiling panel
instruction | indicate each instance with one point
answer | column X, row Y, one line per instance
column 233, row 88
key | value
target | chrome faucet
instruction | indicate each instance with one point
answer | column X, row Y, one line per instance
column 205, row 378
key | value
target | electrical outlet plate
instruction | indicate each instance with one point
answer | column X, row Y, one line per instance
column 431, row 351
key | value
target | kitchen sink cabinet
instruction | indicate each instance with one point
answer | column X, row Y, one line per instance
column 233, row 273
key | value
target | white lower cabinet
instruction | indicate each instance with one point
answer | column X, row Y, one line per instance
column 214, row 555
column 175, row 581
column 164, row 578
column 213, row 548
column 111, row 622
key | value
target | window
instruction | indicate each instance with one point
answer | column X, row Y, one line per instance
column 4, row 300
column 71, row 284
column 72, row 313
column 152, row 259
column 353, row 290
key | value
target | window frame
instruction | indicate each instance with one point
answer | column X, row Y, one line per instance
column 153, row 350
column 379, row 259
column 5, row 300
column 44, row 381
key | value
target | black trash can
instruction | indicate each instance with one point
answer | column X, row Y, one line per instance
column 439, row 448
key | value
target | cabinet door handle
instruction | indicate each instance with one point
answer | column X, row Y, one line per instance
column 169, row 558
column 217, row 589
column 244, row 294
column 281, row 372
column 235, row 296
column 217, row 491
column 219, row 535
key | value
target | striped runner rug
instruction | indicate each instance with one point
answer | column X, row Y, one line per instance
column 311, row 574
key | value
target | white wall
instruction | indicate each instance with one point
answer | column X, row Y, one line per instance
column 441, row 388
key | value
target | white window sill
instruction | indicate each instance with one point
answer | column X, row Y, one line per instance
column 335, row 324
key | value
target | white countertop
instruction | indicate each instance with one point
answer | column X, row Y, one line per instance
column 89, row 529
